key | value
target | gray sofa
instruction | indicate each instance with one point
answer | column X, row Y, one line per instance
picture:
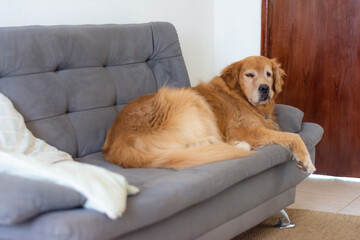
column 69, row 82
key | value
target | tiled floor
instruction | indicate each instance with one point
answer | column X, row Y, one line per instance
column 329, row 195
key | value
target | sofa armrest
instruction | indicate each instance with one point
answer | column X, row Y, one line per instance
column 289, row 118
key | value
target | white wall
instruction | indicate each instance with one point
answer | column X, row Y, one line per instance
column 237, row 31
column 212, row 33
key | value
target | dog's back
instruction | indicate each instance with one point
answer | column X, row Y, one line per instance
column 173, row 128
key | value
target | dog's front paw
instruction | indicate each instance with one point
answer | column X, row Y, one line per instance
column 304, row 164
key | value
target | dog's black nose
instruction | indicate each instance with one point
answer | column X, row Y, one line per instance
column 264, row 88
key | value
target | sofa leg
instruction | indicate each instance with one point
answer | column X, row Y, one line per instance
column 284, row 221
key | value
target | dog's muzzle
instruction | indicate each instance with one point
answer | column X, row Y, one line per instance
column 264, row 90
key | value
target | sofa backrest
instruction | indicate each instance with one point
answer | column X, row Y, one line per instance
column 69, row 82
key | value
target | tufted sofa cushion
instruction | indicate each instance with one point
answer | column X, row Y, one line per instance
column 69, row 82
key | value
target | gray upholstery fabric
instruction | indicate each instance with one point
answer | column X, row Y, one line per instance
column 69, row 82
column 251, row 218
column 225, row 206
column 74, row 78
column 22, row 198
column 63, row 138
column 289, row 118
column 35, row 96
column 178, row 190
column 166, row 60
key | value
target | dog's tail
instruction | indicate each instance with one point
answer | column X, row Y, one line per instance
column 129, row 157
column 189, row 157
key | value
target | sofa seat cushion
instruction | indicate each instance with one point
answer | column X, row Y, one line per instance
column 163, row 193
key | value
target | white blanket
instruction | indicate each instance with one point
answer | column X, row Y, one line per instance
column 24, row 155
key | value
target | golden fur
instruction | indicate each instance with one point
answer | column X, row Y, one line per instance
column 215, row 121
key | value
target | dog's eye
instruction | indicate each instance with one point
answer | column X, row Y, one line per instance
column 268, row 74
column 250, row 75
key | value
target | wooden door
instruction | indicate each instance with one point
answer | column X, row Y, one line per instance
column 318, row 44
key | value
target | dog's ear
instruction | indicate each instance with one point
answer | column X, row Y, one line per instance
column 279, row 75
column 231, row 73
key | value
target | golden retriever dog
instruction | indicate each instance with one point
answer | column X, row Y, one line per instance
column 219, row 120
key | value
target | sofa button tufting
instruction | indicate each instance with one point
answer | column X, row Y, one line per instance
column 57, row 68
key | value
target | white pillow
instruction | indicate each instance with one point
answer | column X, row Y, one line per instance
column 15, row 137
column 24, row 155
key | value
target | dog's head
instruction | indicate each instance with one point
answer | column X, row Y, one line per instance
column 258, row 78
